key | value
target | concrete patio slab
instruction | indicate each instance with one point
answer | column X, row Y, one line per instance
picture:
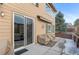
column 52, row 52
column 36, row 49
column 57, row 49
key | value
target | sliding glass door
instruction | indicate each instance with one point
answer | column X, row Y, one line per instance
column 23, row 31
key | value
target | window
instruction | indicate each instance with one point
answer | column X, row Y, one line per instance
column 49, row 28
column 48, row 10
column 53, row 28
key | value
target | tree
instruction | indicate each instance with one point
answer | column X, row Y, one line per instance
column 76, row 22
column 60, row 23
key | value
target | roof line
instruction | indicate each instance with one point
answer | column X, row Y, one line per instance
column 52, row 7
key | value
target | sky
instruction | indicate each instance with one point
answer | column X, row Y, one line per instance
column 70, row 11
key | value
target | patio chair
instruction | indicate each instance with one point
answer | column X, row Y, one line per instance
column 46, row 40
column 4, row 47
column 43, row 39
column 51, row 36
column 52, row 40
column 8, row 48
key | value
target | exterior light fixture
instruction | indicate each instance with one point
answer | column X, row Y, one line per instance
column 2, row 14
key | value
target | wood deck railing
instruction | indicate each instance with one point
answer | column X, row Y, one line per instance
column 63, row 35
column 75, row 37
column 72, row 36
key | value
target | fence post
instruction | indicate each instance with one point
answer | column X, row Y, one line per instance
column 73, row 37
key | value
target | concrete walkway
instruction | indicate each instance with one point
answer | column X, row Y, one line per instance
column 36, row 49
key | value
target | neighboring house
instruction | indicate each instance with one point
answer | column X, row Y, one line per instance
column 21, row 23
column 70, row 28
column 76, row 24
column 77, row 28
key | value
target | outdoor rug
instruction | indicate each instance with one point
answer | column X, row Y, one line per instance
column 20, row 51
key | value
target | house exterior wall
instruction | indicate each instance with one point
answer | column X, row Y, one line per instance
column 6, row 22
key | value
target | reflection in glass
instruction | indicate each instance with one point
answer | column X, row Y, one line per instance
column 18, row 31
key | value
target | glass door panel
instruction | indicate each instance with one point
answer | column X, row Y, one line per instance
column 18, row 31
column 28, row 31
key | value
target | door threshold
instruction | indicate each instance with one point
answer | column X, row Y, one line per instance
column 17, row 49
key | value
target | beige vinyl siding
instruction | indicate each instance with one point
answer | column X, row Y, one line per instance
column 28, row 9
